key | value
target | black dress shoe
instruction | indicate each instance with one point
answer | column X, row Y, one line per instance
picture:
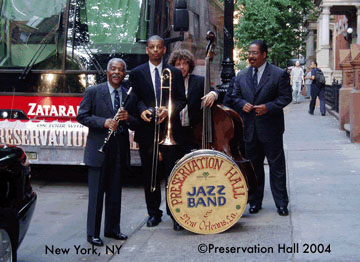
column 177, row 227
column 283, row 211
column 118, row 236
column 153, row 221
column 96, row 241
column 311, row 113
column 254, row 209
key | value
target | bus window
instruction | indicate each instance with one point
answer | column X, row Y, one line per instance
column 47, row 83
column 106, row 28
column 62, row 84
column 28, row 27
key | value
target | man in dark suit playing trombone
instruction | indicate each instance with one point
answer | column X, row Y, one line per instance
column 146, row 83
column 97, row 109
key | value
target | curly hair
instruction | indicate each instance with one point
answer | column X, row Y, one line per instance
column 185, row 55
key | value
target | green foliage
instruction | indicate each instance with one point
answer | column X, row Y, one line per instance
column 277, row 22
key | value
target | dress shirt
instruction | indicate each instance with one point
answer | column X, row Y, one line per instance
column 184, row 115
column 112, row 93
column 260, row 71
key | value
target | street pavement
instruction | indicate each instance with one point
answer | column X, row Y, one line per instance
column 323, row 177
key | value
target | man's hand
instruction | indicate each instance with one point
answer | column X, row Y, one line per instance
column 123, row 115
column 260, row 110
column 209, row 99
column 247, row 108
column 111, row 124
column 162, row 114
column 146, row 115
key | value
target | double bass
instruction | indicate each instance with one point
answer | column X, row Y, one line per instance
column 222, row 128
column 208, row 189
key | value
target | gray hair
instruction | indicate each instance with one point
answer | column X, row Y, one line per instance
column 115, row 60
column 155, row 37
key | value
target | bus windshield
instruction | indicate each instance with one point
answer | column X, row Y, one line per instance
column 24, row 26
column 66, row 43
column 114, row 25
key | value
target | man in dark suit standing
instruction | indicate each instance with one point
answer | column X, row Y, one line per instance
column 97, row 109
column 260, row 93
column 146, row 83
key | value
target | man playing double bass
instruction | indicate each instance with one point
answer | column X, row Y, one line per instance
column 191, row 115
column 146, row 83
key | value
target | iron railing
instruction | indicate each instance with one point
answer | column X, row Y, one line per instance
column 332, row 95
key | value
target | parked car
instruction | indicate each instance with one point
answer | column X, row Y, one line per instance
column 17, row 200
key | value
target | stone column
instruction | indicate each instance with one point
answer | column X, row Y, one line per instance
column 310, row 47
column 319, row 34
column 355, row 95
column 323, row 53
column 325, row 25
column 347, row 87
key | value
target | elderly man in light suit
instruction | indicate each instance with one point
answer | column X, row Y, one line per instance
column 97, row 110
column 261, row 91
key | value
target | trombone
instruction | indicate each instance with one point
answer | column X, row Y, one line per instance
column 168, row 140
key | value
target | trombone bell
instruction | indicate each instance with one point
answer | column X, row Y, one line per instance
column 169, row 139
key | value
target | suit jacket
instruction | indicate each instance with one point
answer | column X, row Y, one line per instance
column 274, row 91
column 194, row 95
column 140, row 78
column 95, row 108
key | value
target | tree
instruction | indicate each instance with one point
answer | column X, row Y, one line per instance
column 277, row 22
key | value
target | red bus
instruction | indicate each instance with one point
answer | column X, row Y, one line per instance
column 51, row 51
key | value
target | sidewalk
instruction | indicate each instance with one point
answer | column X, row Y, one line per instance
column 323, row 179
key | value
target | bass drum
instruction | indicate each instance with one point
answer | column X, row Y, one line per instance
column 206, row 192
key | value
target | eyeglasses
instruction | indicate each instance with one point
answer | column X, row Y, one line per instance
column 253, row 52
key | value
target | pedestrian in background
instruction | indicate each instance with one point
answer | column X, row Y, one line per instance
column 261, row 91
column 308, row 82
column 297, row 81
column 316, row 91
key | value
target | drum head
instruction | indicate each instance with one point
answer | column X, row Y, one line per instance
column 207, row 192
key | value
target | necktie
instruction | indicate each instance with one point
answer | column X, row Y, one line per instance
column 157, row 85
column 255, row 78
column 116, row 108
column 116, row 101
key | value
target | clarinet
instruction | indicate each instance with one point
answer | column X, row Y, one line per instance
column 111, row 132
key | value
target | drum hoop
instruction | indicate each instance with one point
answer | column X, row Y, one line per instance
column 197, row 153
